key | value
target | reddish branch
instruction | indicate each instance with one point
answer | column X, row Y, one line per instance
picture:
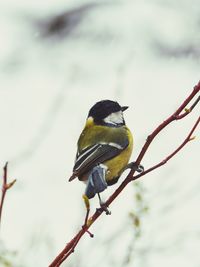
column 5, row 187
column 180, row 113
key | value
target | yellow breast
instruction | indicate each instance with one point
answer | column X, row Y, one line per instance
column 118, row 163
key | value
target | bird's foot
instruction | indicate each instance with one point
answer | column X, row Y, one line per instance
column 104, row 208
column 136, row 167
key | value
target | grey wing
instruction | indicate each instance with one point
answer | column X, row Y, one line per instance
column 94, row 155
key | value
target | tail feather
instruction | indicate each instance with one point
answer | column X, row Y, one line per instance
column 73, row 176
column 96, row 181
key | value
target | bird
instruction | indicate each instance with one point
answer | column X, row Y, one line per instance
column 104, row 148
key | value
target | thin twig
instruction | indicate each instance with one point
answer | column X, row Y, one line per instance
column 164, row 161
column 5, row 187
column 180, row 113
column 175, row 116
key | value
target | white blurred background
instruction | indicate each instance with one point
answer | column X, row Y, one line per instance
column 57, row 58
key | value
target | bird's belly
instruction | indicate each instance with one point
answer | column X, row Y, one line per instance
column 117, row 164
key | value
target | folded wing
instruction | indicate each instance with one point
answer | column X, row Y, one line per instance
column 94, row 155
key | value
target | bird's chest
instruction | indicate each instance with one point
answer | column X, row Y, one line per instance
column 117, row 164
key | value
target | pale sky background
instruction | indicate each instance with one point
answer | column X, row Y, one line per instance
column 144, row 54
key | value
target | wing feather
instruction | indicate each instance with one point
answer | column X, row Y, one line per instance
column 96, row 154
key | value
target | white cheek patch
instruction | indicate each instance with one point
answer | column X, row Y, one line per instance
column 115, row 118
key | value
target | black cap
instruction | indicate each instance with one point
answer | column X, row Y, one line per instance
column 104, row 108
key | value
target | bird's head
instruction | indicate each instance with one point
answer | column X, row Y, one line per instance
column 107, row 112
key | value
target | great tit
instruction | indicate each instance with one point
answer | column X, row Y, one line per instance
column 104, row 147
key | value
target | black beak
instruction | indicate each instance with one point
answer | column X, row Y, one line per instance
column 124, row 108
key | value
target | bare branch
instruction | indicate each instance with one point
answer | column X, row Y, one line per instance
column 164, row 161
column 179, row 114
column 5, row 187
